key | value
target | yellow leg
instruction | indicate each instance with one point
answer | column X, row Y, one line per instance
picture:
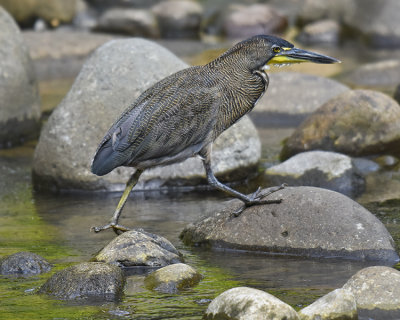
column 114, row 220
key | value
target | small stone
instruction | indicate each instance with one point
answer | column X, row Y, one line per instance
column 172, row 278
column 339, row 304
column 88, row 280
column 376, row 287
column 139, row 248
column 24, row 263
column 244, row 303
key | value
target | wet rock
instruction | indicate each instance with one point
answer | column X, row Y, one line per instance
column 135, row 22
column 19, row 96
column 320, row 33
column 375, row 22
column 376, row 288
column 53, row 12
column 289, row 100
column 244, row 21
column 308, row 222
column 110, row 80
column 357, row 123
column 323, row 169
column 24, row 263
column 383, row 75
column 339, row 304
column 139, row 248
column 178, row 18
column 172, row 278
column 246, row 303
column 88, row 280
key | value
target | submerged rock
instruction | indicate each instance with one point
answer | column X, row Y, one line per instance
column 88, row 280
column 289, row 100
column 113, row 77
column 19, row 95
column 357, row 123
column 172, row 278
column 139, row 248
column 24, row 263
column 339, row 304
column 376, row 288
column 309, row 222
column 244, row 303
column 323, row 169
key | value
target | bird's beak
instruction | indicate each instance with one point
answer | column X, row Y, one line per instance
column 295, row 55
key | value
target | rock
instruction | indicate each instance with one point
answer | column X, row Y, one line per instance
column 106, row 4
column 246, row 303
column 323, row 169
column 289, row 100
column 19, row 96
column 357, row 123
column 244, row 21
column 336, row 305
column 139, row 248
column 384, row 75
column 314, row 10
column 396, row 95
column 24, row 263
column 310, row 222
column 88, row 280
column 53, row 12
column 110, row 80
column 376, row 287
column 172, row 278
column 376, row 23
column 320, row 32
column 135, row 22
column 178, row 18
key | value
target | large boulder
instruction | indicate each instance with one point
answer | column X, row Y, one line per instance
column 110, row 80
column 289, row 100
column 375, row 21
column 19, row 96
column 243, row 303
column 54, row 12
column 308, row 222
column 323, row 169
column 357, row 123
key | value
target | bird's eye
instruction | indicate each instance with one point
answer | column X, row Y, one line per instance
column 276, row 49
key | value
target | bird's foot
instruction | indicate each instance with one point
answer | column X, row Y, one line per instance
column 118, row 229
column 256, row 198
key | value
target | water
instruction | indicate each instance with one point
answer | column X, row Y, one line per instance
column 56, row 226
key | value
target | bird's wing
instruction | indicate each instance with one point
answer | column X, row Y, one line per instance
column 172, row 117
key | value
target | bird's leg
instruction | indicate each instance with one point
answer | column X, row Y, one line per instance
column 253, row 199
column 118, row 229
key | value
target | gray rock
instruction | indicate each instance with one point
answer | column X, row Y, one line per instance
column 135, row 22
column 376, row 288
column 375, row 22
column 24, row 263
column 19, row 96
column 54, row 12
column 244, row 21
column 139, row 248
column 172, row 278
column 178, row 18
column 357, row 123
column 339, row 304
column 110, row 80
column 309, row 222
column 289, row 99
column 321, row 32
column 244, row 303
column 88, row 280
column 396, row 95
column 384, row 75
column 322, row 169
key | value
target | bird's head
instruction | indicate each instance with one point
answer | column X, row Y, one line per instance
column 259, row 52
